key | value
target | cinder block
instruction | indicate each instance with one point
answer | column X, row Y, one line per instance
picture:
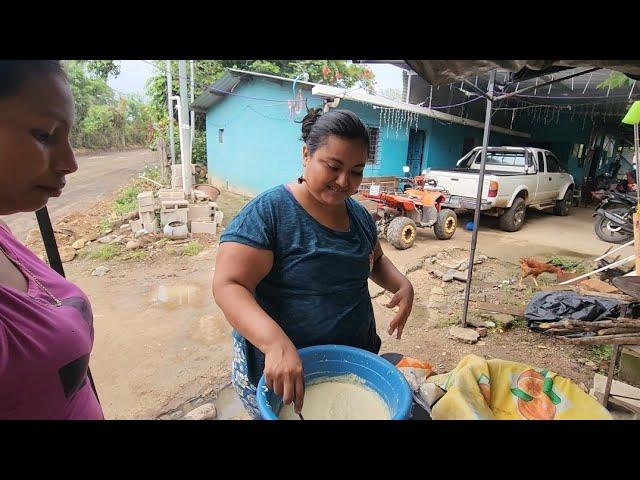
column 146, row 208
column 145, row 199
column 149, row 222
column 165, row 194
column 203, row 227
column 169, row 205
column 217, row 217
column 136, row 225
column 200, row 212
column 630, row 364
column 176, row 215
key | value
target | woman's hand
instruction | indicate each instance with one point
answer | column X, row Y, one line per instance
column 283, row 373
column 403, row 298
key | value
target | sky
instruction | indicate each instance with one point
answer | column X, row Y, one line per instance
column 134, row 74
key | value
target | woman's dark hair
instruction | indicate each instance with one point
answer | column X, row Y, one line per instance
column 318, row 126
column 14, row 72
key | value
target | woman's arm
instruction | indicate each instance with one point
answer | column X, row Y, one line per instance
column 239, row 269
column 6, row 227
column 386, row 275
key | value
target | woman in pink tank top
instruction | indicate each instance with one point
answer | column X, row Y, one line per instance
column 46, row 323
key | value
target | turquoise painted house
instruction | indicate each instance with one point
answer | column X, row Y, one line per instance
column 253, row 140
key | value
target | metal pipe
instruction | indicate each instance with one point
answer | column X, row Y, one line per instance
column 637, row 157
column 628, row 244
column 606, row 267
column 507, row 95
column 476, row 214
column 477, row 89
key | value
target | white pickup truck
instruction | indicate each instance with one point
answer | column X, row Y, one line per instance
column 515, row 178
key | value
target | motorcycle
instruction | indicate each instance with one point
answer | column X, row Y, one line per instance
column 614, row 222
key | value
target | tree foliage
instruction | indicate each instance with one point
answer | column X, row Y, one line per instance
column 616, row 80
column 105, row 119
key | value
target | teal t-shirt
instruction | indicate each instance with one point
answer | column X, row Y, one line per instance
column 317, row 289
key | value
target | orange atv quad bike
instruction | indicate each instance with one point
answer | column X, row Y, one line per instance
column 398, row 215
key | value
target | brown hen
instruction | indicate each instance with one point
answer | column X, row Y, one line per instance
column 532, row 267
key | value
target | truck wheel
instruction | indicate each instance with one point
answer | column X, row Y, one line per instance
column 513, row 218
column 401, row 232
column 563, row 207
column 446, row 224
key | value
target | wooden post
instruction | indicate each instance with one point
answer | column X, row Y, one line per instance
column 636, row 239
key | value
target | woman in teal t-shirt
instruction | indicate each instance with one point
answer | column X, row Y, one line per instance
column 293, row 265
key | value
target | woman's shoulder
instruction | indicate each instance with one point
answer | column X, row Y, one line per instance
column 274, row 197
column 358, row 209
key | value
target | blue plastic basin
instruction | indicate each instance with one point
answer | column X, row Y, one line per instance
column 325, row 361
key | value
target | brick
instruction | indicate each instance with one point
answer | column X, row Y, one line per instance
column 203, row 227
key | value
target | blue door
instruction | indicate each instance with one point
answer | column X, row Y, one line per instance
column 415, row 151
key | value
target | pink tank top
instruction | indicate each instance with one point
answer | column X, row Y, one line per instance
column 44, row 349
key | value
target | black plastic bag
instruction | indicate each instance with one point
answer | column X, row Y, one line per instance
column 567, row 305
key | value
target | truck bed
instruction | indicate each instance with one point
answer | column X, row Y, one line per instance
column 473, row 170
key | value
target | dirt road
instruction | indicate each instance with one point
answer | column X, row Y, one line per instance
column 98, row 175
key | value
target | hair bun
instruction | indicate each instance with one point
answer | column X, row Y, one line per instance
column 309, row 121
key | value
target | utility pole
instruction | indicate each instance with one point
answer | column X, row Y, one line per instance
column 184, row 126
column 169, row 94
column 193, row 114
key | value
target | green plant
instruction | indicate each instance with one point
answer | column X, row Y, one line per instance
column 602, row 352
column 193, row 248
column 572, row 266
column 128, row 200
column 105, row 225
column 450, row 320
column 519, row 322
column 105, row 252
column 138, row 255
column 152, row 173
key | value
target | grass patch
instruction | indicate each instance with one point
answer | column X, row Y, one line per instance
column 105, row 252
column 193, row 248
column 568, row 265
column 138, row 255
column 152, row 173
column 128, row 200
column 519, row 322
column 105, row 225
column 602, row 352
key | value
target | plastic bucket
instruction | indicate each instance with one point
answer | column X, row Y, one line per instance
column 325, row 361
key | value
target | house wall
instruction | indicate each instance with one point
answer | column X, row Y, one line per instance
column 261, row 146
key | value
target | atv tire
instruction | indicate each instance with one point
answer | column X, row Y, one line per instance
column 401, row 232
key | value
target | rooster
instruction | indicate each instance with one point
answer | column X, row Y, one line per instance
column 533, row 268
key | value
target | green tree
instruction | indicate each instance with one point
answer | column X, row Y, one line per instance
column 103, row 118
column 103, row 68
column 616, row 80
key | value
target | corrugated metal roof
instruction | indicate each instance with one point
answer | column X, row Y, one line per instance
column 227, row 83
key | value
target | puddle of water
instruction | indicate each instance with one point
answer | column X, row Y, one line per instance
column 228, row 404
column 177, row 295
column 210, row 329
